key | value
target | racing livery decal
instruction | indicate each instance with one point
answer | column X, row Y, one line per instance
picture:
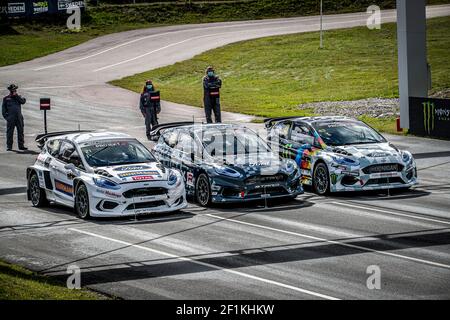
column 64, row 187
column 138, row 173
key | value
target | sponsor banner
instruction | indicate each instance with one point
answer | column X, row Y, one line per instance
column 35, row 8
column 429, row 117
column 64, row 4
column 15, row 8
column 40, row 7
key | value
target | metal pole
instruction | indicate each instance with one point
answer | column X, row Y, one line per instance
column 45, row 121
column 321, row 28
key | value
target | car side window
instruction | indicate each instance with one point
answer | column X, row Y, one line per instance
column 170, row 138
column 301, row 134
column 282, row 129
column 185, row 142
column 66, row 150
column 53, row 147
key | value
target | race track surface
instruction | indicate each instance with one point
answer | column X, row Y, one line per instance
column 311, row 248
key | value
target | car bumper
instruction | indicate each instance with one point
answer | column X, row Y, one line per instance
column 225, row 193
column 379, row 181
column 112, row 203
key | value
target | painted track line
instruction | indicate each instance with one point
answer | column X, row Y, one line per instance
column 157, row 50
column 165, row 34
column 211, row 35
column 204, row 264
column 390, row 212
column 344, row 244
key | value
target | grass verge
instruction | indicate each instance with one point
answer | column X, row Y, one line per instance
column 18, row 283
column 271, row 76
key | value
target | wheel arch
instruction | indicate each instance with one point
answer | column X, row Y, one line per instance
column 30, row 170
column 320, row 160
column 76, row 184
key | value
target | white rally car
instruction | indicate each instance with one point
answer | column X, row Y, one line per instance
column 103, row 174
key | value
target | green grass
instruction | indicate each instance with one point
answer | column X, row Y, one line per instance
column 32, row 40
column 22, row 40
column 17, row 283
column 271, row 76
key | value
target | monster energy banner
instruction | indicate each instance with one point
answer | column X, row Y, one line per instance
column 34, row 8
column 429, row 117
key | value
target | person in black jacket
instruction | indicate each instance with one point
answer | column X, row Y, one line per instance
column 211, row 96
column 150, row 106
column 12, row 112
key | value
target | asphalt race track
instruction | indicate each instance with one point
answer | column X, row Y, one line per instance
column 311, row 248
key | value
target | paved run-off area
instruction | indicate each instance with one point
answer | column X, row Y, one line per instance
column 310, row 248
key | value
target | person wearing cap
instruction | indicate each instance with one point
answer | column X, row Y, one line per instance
column 12, row 112
column 211, row 97
column 150, row 107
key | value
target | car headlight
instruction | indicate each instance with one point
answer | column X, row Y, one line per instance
column 173, row 178
column 406, row 156
column 106, row 183
column 290, row 166
column 345, row 161
column 227, row 171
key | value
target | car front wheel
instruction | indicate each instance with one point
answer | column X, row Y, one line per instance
column 37, row 194
column 203, row 190
column 82, row 202
column 321, row 179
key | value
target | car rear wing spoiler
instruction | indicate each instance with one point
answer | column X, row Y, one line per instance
column 43, row 137
column 269, row 122
column 156, row 132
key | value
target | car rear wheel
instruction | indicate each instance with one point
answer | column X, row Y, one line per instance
column 203, row 190
column 82, row 202
column 321, row 179
column 37, row 194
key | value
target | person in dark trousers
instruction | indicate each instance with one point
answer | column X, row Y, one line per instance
column 12, row 112
column 150, row 106
column 211, row 96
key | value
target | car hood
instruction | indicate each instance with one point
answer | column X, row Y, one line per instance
column 373, row 151
column 248, row 165
column 133, row 172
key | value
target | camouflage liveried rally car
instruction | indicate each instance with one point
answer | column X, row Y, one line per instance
column 225, row 163
column 341, row 154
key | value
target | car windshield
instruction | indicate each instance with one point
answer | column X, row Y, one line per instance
column 232, row 141
column 110, row 153
column 347, row 132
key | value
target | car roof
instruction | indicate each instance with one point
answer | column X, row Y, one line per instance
column 322, row 119
column 81, row 137
column 206, row 126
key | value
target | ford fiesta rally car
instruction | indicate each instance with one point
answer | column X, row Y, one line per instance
column 341, row 154
column 103, row 174
column 225, row 163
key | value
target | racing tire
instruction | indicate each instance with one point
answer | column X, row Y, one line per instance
column 203, row 190
column 82, row 208
column 37, row 194
column 321, row 179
